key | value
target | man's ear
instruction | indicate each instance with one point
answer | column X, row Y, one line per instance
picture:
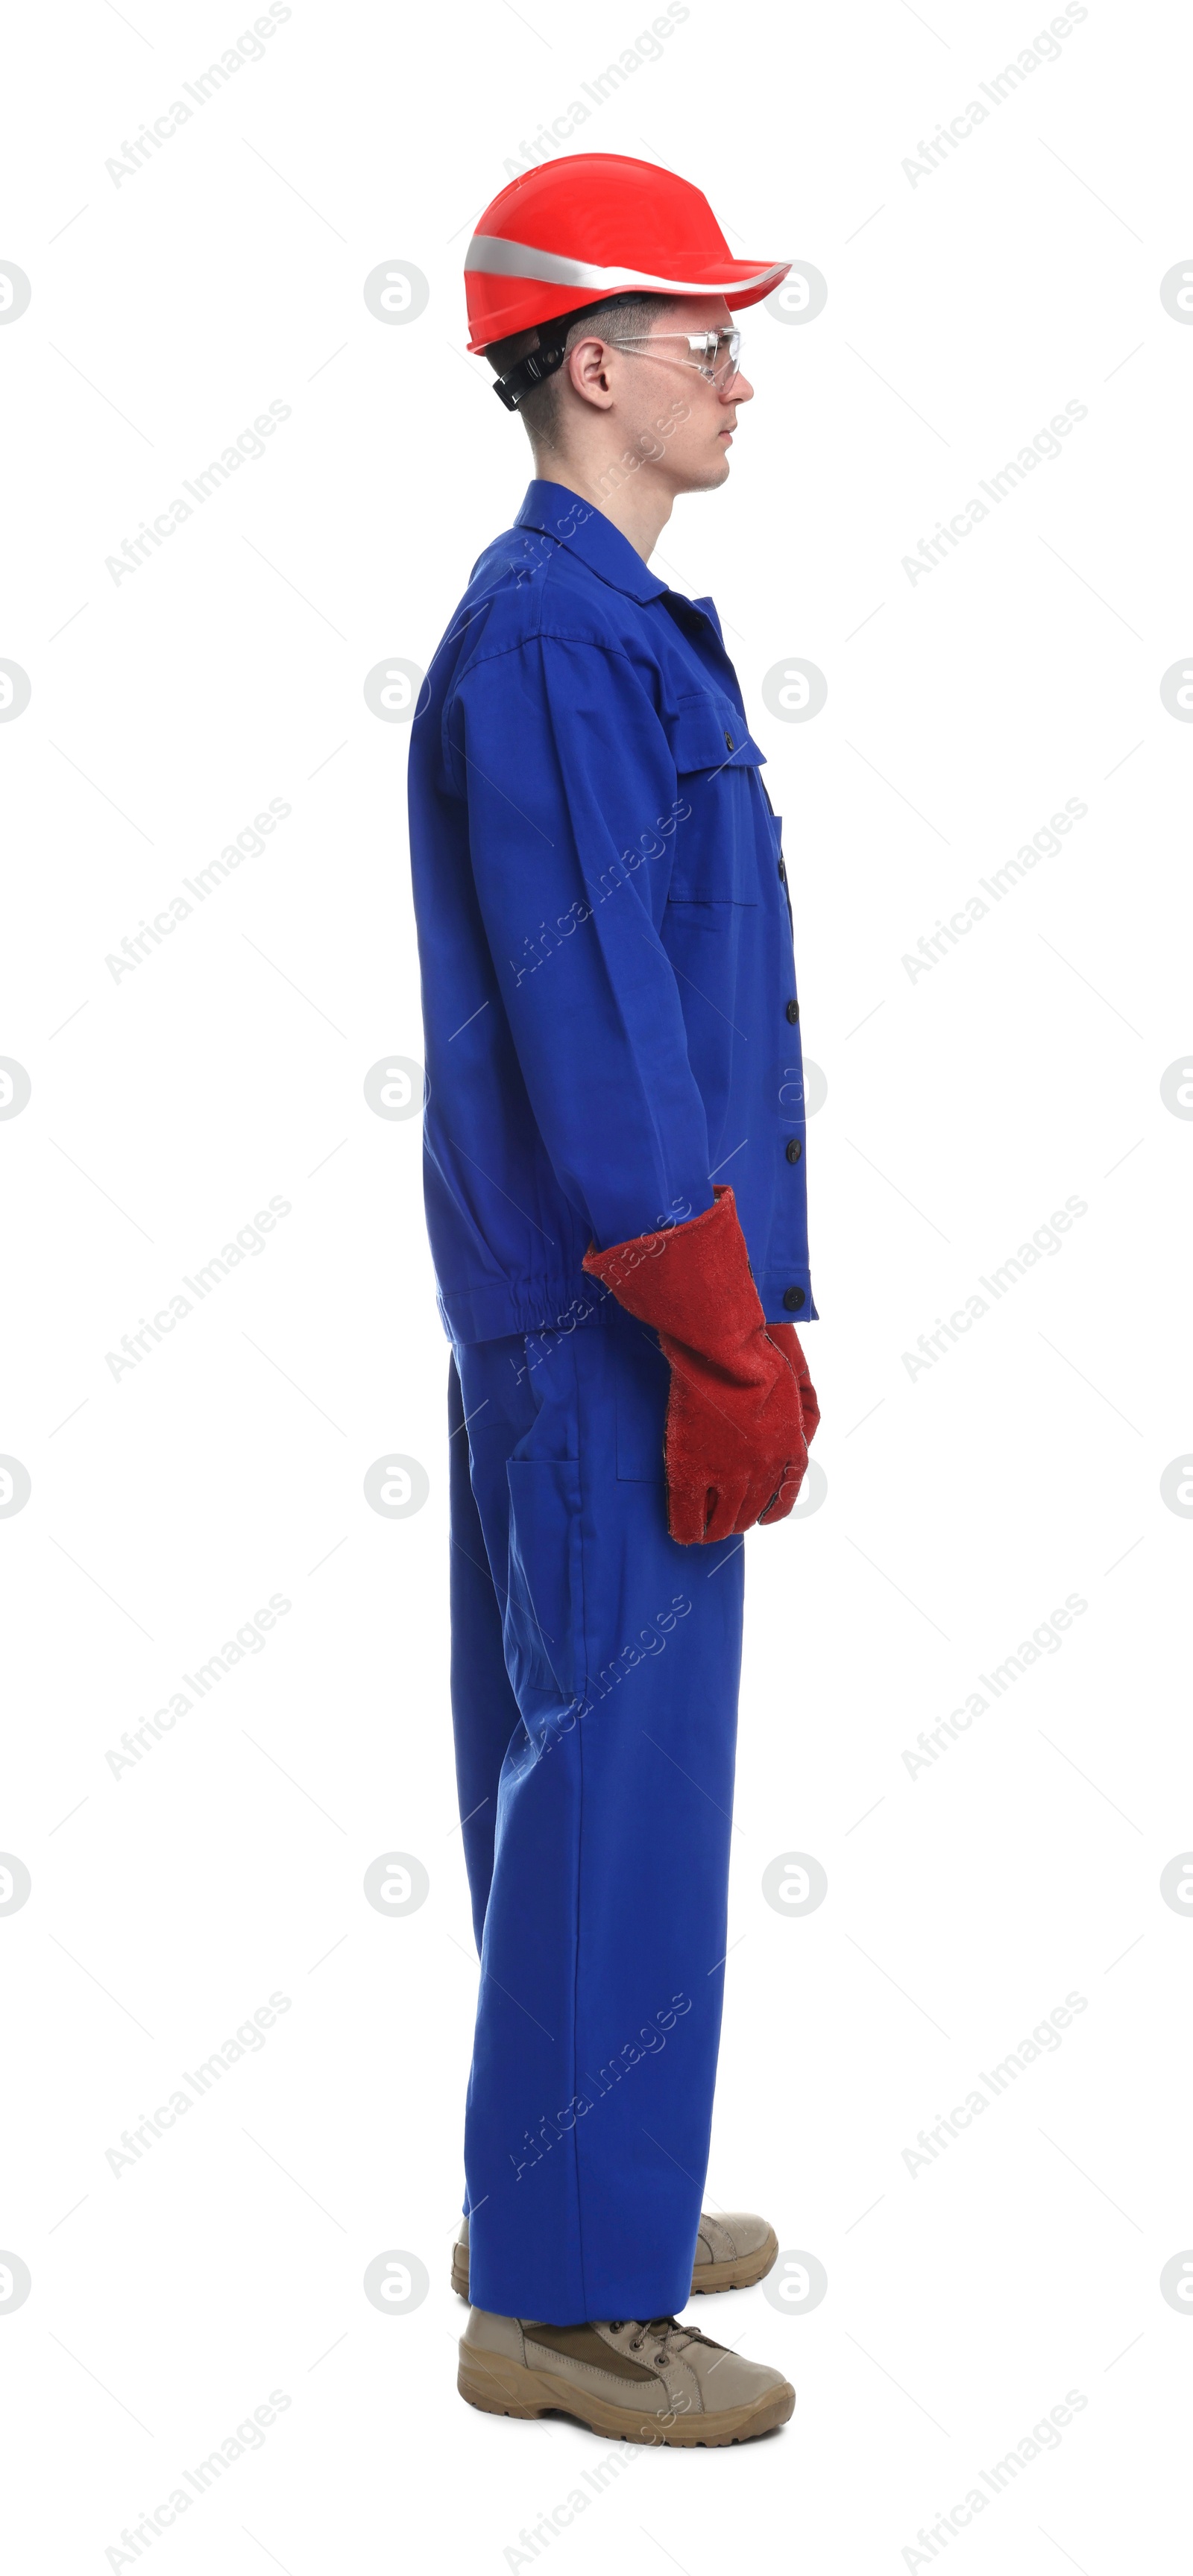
column 588, row 372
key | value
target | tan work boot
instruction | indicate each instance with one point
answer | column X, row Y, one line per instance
column 652, row 2381
column 732, row 2252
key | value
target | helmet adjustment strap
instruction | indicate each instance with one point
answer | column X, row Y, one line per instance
column 513, row 387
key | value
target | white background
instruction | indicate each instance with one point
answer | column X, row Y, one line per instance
column 964, row 1901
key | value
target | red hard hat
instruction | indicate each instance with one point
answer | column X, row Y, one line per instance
column 596, row 224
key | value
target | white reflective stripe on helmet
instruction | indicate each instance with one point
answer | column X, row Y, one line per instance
column 492, row 256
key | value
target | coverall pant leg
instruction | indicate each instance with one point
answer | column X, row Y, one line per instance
column 595, row 1670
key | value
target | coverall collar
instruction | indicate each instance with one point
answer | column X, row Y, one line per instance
column 556, row 512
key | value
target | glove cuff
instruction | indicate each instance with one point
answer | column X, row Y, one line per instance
column 686, row 1278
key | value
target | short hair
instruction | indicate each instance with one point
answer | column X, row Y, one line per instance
column 618, row 315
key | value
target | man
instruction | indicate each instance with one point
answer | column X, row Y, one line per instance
column 615, row 1197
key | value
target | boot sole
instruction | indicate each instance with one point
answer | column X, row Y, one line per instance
column 740, row 2274
column 497, row 2386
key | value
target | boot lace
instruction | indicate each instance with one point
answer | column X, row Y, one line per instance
column 668, row 2336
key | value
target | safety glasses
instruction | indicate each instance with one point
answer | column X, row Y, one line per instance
column 714, row 354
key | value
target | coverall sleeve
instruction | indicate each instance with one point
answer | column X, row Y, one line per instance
column 573, row 808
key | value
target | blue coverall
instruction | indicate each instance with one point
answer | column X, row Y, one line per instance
column 611, row 1026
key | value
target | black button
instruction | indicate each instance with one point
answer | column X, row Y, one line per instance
column 782, row 871
column 793, row 1299
column 793, row 1012
column 728, row 742
column 794, row 1149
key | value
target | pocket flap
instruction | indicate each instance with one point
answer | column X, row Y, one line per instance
column 708, row 733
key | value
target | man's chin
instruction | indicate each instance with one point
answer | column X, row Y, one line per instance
column 709, row 477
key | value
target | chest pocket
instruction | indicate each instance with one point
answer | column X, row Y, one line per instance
column 716, row 847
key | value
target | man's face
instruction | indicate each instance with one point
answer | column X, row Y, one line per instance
column 674, row 419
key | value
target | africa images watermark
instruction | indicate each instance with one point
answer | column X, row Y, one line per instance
column 557, row 2520
column 250, row 1639
column 573, row 1316
column 1047, row 1241
column 552, row 1333
column 549, row 938
column 1044, row 844
column 196, row 2083
column 647, row 449
column 249, row 2436
column 649, row 1641
column 1046, row 1639
column 246, row 449
column 991, row 2083
column 646, row 48
column 138, row 948
column 1044, row 2436
column 1044, row 48
column 1043, row 449
column 248, row 48
column 250, row 1241
column 653, row 2037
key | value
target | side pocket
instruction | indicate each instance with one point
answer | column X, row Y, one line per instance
column 542, row 1606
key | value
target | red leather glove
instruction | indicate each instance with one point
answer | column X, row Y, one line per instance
column 735, row 1444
